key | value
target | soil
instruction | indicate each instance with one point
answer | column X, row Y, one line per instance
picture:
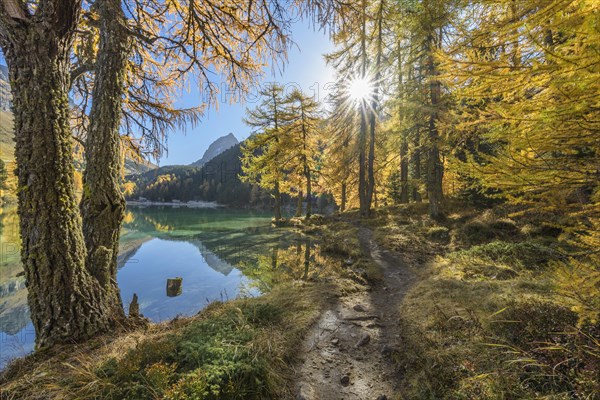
column 348, row 352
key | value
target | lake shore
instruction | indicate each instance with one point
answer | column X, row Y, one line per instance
column 190, row 204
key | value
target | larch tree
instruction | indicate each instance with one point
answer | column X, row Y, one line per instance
column 528, row 81
column 262, row 151
column 340, row 167
column 67, row 303
column 302, row 132
column 143, row 47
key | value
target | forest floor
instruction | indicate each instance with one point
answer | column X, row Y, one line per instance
column 482, row 304
column 348, row 352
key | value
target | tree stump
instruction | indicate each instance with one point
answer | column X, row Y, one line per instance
column 174, row 287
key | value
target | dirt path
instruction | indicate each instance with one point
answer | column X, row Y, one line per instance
column 347, row 353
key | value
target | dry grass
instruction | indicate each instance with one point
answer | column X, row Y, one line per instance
column 486, row 319
column 239, row 349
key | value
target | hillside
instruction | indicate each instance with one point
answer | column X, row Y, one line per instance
column 216, row 181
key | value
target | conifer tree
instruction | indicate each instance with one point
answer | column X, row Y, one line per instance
column 262, row 152
column 302, row 132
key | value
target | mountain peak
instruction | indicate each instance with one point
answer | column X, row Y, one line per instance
column 217, row 147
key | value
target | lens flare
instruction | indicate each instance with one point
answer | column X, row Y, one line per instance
column 360, row 89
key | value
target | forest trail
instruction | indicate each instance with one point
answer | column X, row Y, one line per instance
column 348, row 352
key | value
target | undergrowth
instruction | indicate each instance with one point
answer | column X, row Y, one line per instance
column 489, row 317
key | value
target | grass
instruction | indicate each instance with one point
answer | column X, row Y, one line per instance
column 491, row 316
column 486, row 319
column 241, row 349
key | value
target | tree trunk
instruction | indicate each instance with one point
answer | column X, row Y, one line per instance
column 307, row 172
column 300, row 204
column 362, row 135
column 404, row 161
column 434, row 163
column 416, row 159
column 277, row 195
column 404, row 171
column 65, row 301
column 374, row 107
column 344, row 195
column 103, row 204
column 306, row 260
column 308, row 192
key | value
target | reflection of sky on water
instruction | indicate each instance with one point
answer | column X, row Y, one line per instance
column 17, row 345
column 147, row 271
column 157, row 244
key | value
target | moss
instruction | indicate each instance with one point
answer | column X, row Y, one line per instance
column 529, row 255
column 231, row 351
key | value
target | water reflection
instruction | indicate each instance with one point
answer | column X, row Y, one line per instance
column 220, row 254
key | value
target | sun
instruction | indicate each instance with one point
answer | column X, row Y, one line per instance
column 360, row 89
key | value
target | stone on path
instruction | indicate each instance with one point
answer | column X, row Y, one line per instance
column 364, row 340
column 359, row 308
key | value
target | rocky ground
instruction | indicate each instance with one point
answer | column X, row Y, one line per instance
column 348, row 353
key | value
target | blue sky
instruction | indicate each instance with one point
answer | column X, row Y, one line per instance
column 305, row 69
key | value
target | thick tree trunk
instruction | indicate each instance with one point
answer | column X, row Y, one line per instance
column 103, row 204
column 306, row 260
column 362, row 158
column 404, row 161
column 375, row 107
column 307, row 171
column 65, row 301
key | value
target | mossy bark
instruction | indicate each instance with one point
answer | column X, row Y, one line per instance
column 103, row 203
column 67, row 304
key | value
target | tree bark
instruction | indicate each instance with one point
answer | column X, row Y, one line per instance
column 374, row 107
column 434, row 163
column 307, row 171
column 344, row 195
column 103, row 204
column 362, row 135
column 277, row 195
column 300, row 204
column 66, row 303
column 404, row 171
column 416, row 159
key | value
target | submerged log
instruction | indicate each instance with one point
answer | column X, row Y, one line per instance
column 174, row 287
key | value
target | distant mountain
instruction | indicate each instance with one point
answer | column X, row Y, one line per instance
column 217, row 147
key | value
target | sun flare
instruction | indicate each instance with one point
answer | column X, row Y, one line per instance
column 360, row 89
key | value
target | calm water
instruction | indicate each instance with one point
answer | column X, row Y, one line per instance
column 220, row 254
